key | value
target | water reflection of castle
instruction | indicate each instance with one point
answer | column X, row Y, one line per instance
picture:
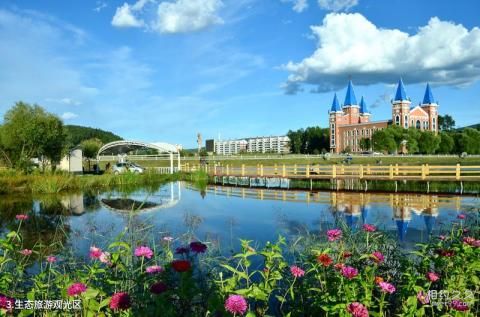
column 355, row 207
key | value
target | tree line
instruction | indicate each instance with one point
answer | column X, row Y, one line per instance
column 312, row 140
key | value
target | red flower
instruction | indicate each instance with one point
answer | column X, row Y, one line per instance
column 324, row 259
column 447, row 253
column 76, row 289
column 369, row 228
column 21, row 217
column 459, row 305
column 198, row 247
column 120, row 301
column 7, row 303
column 158, row 288
column 346, row 254
column 182, row 250
column 433, row 277
column 339, row 266
column 461, row 216
column 181, row 265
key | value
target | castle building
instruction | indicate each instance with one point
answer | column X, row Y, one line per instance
column 350, row 123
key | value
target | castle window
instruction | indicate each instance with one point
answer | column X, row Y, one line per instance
column 434, row 124
column 417, row 125
column 397, row 119
column 406, row 122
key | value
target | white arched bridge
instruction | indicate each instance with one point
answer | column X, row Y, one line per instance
column 119, row 150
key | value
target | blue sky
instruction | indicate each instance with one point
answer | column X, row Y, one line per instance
column 158, row 70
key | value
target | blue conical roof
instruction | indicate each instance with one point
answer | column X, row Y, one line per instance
column 363, row 106
column 401, row 94
column 335, row 104
column 402, row 227
column 429, row 223
column 350, row 98
column 364, row 214
column 428, row 98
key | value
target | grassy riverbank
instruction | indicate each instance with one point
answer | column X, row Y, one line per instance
column 12, row 182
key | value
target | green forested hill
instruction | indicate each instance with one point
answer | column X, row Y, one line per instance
column 76, row 134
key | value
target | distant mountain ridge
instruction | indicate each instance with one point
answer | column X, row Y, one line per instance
column 76, row 134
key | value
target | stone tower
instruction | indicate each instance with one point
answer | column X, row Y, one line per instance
column 401, row 107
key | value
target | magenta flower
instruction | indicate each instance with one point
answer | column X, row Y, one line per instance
column 76, row 289
column 378, row 257
column 7, row 303
column 51, row 259
column 198, row 247
column 369, row 228
column 144, row 251
column 154, row 269
column 461, row 216
column 158, row 288
column 433, row 277
column 442, row 237
column 236, row 304
column 349, row 272
column 296, row 271
column 476, row 243
column 120, row 301
column 357, row 310
column 26, row 252
column 182, row 250
column 105, row 257
column 423, row 298
column 387, row 287
column 334, row 234
column 458, row 305
column 168, row 239
column 95, row 252
column 21, row 217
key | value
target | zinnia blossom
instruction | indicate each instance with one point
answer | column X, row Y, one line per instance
column 198, row 247
column 446, row 253
column 378, row 279
column 158, row 288
column 168, row 239
column 458, row 305
column 349, row 272
column 21, row 217
column 95, row 252
column 236, row 304
column 461, row 216
column 339, row 266
column 369, row 228
column 154, row 269
column 105, row 258
column 120, row 301
column 144, row 251
column 26, row 252
column 442, row 237
column 387, row 287
column 182, row 250
column 296, row 271
column 423, row 298
column 357, row 309
column 346, row 254
column 76, row 289
column 433, row 277
column 181, row 265
column 324, row 259
column 51, row 259
column 334, row 234
column 378, row 257
column 469, row 241
column 7, row 303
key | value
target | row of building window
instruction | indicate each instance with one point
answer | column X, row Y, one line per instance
column 417, row 124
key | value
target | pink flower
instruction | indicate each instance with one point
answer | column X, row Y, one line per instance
column 442, row 237
column 469, row 240
column 95, row 252
column 144, row 251
column 7, row 303
column 21, row 217
column 51, row 259
column 357, row 310
column 158, row 288
column 378, row 257
column 458, row 305
column 369, row 228
column 26, row 252
column 168, row 239
column 387, row 287
column 423, row 298
column 461, row 216
column 433, row 277
column 120, row 301
column 349, row 272
column 182, row 250
column 339, row 266
column 76, row 289
column 105, row 257
column 198, row 247
column 296, row 271
column 476, row 243
column 334, row 234
column 154, row 269
column 236, row 304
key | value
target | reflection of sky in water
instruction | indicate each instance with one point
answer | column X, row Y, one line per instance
column 225, row 215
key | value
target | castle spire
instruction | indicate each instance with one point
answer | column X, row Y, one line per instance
column 335, row 104
column 350, row 99
column 401, row 95
column 363, row 107
column 428, row 98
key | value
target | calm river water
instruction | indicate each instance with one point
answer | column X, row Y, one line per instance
column 223, row 215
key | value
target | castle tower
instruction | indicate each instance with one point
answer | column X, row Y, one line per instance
column 335, row 116
column 430, row 107
column 364, row 113
column 401, row 107
column 350, row 106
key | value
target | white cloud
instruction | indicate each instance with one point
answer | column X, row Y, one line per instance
column 349, row 45
column 69, row 115
column 100, row 5
column 179, row 16
column 298, row 5
column 124, row 17
column 337, row 5
column 65, row 101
